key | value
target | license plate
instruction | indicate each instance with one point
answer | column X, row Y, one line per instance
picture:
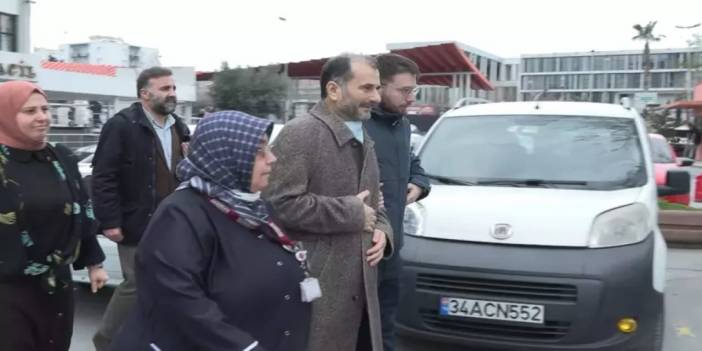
column 503, row 311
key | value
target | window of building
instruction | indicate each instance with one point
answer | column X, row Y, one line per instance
column 583, row 81
column 8, row 32
column 626, row 80
column 549, row 64
column 599, row 63
column 508, row 72
column 668, row 80
column 599, row 81
column 634, row 62
column 618, row 63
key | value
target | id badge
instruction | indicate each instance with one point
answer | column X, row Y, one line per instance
column 310, row 289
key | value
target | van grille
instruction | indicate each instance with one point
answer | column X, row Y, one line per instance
column 493, row 288
column 479, row 328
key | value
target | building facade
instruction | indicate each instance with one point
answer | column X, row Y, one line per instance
column 104, row 50
column 503, row 73
column 607, row 76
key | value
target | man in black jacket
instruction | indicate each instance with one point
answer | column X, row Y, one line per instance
column 402, row 175
column 133, row 170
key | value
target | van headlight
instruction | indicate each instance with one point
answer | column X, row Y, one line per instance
column 413, row 222
column 620, row 226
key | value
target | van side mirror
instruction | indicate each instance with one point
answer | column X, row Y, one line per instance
column 677, row 183
column 686, row 162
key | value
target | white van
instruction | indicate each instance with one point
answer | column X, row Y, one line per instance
column 540, row 232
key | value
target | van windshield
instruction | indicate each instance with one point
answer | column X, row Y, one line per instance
column 575, row 152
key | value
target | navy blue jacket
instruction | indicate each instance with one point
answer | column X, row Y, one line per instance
column 208, row 283
column 398, row 166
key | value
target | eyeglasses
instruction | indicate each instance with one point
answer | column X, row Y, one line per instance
column 408, row 91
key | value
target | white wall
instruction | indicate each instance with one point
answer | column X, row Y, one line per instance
column 108, row 53
column 22, row 9
column 149, row 58
column 11, row 7
column 12, row 58
column 122, row 86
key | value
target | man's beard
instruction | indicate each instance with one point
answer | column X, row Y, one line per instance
column 165, row 107
column 393, row 109
column 352, row 111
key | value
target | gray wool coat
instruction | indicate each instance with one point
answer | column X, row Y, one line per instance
column 312, row 191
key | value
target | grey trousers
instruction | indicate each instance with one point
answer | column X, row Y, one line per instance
column 123, row 298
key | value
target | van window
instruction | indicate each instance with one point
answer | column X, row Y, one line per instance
column 560, row 151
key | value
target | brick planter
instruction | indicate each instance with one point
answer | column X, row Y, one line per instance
column 681, row 227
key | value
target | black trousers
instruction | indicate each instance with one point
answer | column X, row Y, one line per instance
column 363, row 342
column 31, row 319
column 389, row 296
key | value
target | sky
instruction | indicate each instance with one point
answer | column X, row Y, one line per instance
column 203, row 33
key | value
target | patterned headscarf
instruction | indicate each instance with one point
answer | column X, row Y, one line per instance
column 221, row 158
column 13, row 95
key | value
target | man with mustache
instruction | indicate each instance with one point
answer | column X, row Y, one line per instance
column 133, row 170
column 325, row 191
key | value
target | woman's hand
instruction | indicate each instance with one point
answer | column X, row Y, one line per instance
column 98, row 277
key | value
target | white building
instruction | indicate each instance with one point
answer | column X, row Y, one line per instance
column 102, row 78
column 14, row 26
column 502, row 72
column 607, row 76
column 104, row 50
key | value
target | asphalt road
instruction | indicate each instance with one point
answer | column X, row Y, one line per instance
column 683, row 303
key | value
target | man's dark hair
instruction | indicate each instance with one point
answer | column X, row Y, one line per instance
column 391, row 64
column 149, row 73
column 338, row 69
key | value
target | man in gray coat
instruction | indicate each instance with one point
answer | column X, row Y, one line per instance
column 324, row 191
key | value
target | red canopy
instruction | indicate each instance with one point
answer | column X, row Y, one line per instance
column 100, row 70
column 437, row 63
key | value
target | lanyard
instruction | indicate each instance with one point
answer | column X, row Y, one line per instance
column 277, row 234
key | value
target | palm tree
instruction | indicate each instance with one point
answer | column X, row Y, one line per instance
column 646, row 34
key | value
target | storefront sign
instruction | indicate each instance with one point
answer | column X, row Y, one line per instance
column 17, row 71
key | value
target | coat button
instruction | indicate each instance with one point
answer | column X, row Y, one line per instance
column 59, row 314
column 51, row 341
column 287, row 297
column 260, row 236
column 287, row 333
column 279, row 263
column 354, row 297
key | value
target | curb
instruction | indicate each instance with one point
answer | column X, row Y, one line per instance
column 681, row 227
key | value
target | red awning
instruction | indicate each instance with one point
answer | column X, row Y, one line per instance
column 436, row 63
column 684, row 104
column 100, row 70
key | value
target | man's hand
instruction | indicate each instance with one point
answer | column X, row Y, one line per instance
column 413, row 193
column 114, row 234
column 375, row 253
column 370, row 217
column 98, row 278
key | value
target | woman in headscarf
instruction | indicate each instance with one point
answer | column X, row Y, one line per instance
column 214, row 272
column 46, row 224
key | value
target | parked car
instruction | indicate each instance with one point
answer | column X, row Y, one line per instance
column 664, row 159
column 111, row 264
column 85, row 151
column 528, row 241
